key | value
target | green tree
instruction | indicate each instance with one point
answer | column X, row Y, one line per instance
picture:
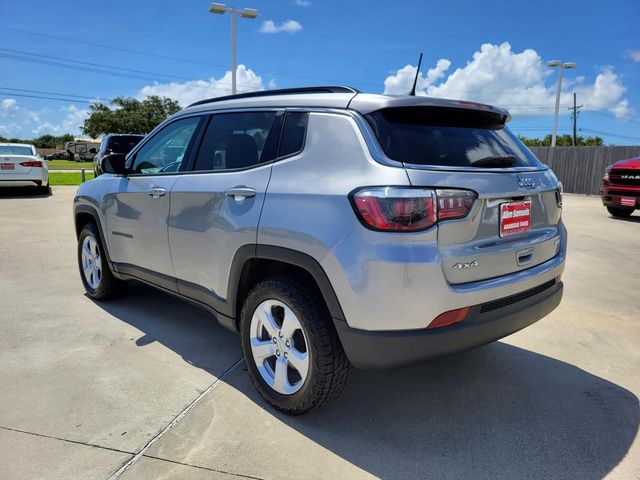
column 561, row 141
column 128, row 115
column 51, row 141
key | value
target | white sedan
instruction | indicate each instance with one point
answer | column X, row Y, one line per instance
column 21, row 166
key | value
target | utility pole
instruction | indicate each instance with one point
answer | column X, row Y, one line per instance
column 562, row 65
column 575, row 118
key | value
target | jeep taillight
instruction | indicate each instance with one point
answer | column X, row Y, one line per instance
column 409, row 209
column 454, row 203
column 395, row 209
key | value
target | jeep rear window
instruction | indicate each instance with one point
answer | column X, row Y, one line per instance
column 451, row 137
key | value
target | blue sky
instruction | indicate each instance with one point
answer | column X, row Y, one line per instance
column 489, row 51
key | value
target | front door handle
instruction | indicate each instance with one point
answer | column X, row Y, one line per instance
column 241, row 192
column 156, row 192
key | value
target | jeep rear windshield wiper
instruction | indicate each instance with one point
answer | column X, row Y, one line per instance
column 496, row 161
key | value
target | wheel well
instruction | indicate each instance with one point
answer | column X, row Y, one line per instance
column 257, row 269
column 82, row 219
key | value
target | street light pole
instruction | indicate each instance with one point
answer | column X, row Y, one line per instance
column 220, row 9
column 562, row 65
column 234, row 64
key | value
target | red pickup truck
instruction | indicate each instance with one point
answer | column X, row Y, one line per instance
column 620, row 189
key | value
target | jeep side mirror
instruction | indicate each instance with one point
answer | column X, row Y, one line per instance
column 114, row 163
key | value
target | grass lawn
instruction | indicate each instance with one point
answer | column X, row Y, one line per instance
column 67, row 178
column 68, row 165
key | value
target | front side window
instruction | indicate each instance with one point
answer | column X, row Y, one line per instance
column 238, row 140
column 165, row 151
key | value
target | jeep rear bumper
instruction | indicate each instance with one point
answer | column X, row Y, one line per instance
column 484, row 324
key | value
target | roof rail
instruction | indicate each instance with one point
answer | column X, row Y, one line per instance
column 283, row 91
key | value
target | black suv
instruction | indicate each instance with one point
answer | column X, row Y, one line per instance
column 114, row 144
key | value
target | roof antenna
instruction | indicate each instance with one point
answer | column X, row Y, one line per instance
column 415, row 80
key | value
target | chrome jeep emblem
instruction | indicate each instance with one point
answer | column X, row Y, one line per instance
column 460, row 266
column 526, row 182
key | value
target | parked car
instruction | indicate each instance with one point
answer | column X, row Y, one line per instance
column 22, row 166
column 620, row 188
column 114, row 143
column 331, row 227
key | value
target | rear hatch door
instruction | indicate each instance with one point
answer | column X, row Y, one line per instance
column 513, row 224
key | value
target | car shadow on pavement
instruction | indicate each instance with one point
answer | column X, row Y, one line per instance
column 632, row 219
column 495, row 412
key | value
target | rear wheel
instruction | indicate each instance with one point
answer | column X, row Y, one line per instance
column 97, row 278
column 620, row 212
column 292, row 351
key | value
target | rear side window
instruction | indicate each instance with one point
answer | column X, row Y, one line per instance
column 238, row 140
column 122, row 144
column 293, row 133
column 448, row 137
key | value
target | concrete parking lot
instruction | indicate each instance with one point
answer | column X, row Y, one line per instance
column 150, row 387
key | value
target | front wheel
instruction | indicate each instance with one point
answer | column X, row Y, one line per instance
column 97, row 278
column 620, row 212
column 292, row 351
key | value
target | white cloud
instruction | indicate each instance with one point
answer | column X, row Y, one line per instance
column 633, row 55
column 302, row 3
column 9, row 104
column 71, row 122
column 519, row 81
column 21, row 122
column 622, row 109
column 401, row 82
column 289, row 26
column 193, row 90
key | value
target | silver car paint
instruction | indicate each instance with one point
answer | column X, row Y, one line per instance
column 384, row 281
column 206, row 227
column 137, row 222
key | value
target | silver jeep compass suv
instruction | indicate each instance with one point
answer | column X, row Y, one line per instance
column 331, row 227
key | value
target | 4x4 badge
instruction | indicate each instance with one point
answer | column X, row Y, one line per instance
column 465, row 265
column 526, row 182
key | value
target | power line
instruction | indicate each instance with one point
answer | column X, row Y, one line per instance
column 47, row 93
column 9, row 95
column 91, row 64
column 610, row 134
column 110, row 47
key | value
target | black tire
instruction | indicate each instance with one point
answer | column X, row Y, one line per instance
column 109, row 286
column 620, row 212
column 45, row 190
column 328, row 365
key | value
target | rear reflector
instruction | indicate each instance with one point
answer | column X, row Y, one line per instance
column 409, row 209
column 449, row 318
column 31, row 164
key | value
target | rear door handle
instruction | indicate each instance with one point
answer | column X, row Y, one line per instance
column 156, row 192
column 241, row 192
